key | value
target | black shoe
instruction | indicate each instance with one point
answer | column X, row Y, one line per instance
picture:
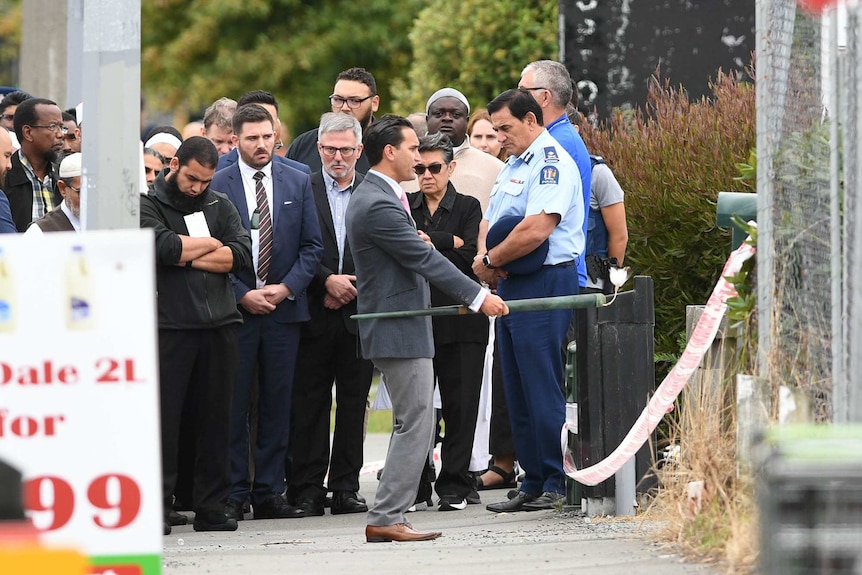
column 234, row 510
column 515, row 504
column 547, row 500
column 473, row 498
column 166, row 529
column 174, row 518
column 344, row 502
column 275, row 507
column 214, row 521
column 311, row 507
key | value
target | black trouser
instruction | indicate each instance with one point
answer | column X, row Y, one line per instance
column 458, row 368
column 198, row 368
column 324, row 359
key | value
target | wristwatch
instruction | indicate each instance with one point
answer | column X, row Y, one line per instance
column 486, row 261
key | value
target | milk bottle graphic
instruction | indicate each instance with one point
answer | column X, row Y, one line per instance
column 8, row 305
column 79, row 291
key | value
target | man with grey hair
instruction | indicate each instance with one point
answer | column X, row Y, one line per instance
column 329, row 346
column 550, row 84
column 217, row 124
column 447, row 113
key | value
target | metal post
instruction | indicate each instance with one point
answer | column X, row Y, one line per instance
column 626, row 497
column 574, row 491
column 112, row 100
column 853, row 182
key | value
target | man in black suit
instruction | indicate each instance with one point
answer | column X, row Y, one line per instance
column 328, row 348
column 355, row 94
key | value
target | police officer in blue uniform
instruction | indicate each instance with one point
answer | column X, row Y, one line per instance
column 540, row 183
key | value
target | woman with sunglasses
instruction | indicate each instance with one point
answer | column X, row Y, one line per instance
column 450, row 221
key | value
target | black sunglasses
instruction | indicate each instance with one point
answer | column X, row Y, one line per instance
column 433, row 168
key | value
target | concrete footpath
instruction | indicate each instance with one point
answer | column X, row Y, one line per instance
column 474, row 541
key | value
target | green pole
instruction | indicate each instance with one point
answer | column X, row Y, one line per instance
column 515, row 306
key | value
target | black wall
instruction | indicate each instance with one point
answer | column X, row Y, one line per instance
column 612, row 47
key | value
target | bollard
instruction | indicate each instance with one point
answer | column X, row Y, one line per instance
column 573, row 488
column 625, row 496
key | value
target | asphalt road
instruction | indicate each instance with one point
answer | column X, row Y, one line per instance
column 474, row 542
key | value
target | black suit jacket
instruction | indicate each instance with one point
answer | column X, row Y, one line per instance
column 19, row 190
column 328, row 263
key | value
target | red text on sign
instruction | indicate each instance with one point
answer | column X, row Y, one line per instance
column 28, row 426
column 45, row 374
column 114, row 498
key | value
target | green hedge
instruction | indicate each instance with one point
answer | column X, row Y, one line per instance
column 672, row 158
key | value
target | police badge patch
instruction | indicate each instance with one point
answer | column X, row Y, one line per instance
column 551, row 155
column 550, row 175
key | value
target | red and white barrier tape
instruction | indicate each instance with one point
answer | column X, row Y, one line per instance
column 670, row 388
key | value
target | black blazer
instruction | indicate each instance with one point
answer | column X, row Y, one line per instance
column 459, row 215
column 328, row 263
column 19, row 190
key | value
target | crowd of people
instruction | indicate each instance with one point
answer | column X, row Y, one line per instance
column 264, row 252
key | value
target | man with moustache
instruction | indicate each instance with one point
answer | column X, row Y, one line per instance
column 355, row 93
column 276, row 206
column 7, row 226
column 393, row 267
column 329, row 348
column 67, row 217
column 199, row 240
column 31, row 183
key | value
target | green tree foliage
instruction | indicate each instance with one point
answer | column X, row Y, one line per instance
column 672, row 159
column 476, row 46
column 194, row 52
column 10, row 40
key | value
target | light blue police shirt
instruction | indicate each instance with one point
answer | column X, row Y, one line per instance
column 544, row 178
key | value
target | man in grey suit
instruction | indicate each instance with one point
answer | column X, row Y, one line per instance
column 394, row 264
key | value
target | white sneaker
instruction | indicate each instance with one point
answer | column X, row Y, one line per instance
column 451, row 503
column 421, row 506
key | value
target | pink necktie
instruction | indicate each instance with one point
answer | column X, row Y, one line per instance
column 404, row 203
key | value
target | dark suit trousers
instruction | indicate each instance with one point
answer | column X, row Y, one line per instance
column 324, row 358
column 198, row 368
column 268, row 348
column 458, row 367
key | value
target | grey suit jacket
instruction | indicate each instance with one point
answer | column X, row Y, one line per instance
column 393, row 268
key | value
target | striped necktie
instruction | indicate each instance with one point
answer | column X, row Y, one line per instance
column 264, row 248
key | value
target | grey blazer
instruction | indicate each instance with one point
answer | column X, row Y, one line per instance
column 393, row 268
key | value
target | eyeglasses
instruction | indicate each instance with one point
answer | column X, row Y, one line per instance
column 353, row 103
column 9, row 117
column 54, row 128
column 433, row 168
column 533, row 88
column 71, row 187
column 346, row 152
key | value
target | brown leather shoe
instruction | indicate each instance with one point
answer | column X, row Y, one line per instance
column 397, row 532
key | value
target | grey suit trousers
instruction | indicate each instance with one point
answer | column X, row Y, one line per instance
column 410, row 383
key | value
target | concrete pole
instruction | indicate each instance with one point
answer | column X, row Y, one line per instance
column 43, row 49
column 112, row 108
column 74, row 52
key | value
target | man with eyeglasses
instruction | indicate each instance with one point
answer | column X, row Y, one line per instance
column 447, row 113
column 551, row 86
column 31, row 184
column 355, row 93
column 8, row 105
column 329, row 347
column 68, row 217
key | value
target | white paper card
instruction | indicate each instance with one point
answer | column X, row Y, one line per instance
column 196, row 223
